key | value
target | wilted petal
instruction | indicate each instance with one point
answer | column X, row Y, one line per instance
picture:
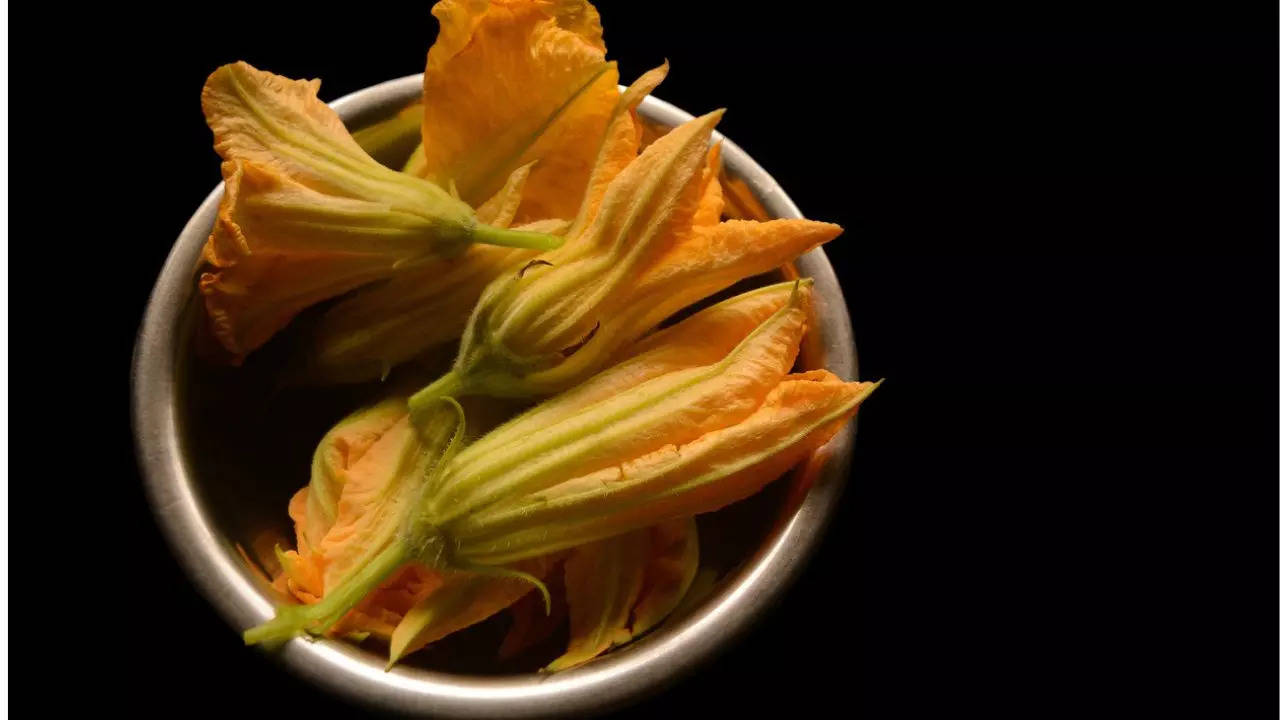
column 341, row 450
column 669, row 572
column 514, row 82
column 621, row 143
column 715, row 257
column 602, row 581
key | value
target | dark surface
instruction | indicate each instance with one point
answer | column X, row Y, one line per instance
column 1060, row 251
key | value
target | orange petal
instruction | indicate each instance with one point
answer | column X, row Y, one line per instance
column 621, row 143
column 715, row 257
column 381, row 610
column 602, row 581
column 671, row 567
column 339, row 451
column 509, row 83
column 254, row 113
column 500, row 209
column 711, row 203
column 740, row 202
column 378, row 491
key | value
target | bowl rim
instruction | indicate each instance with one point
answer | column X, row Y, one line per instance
column 616, row 679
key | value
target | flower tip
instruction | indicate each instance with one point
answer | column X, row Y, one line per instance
column 868, row 389
column 800, row 292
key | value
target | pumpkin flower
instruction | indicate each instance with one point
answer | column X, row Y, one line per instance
column 627, row 264
column 307, row 214
column 380, row 326
column 516, row 90
column 699, row 415
column 601, row 460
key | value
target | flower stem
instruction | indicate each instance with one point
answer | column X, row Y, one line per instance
column 318, row 618
column 515, row 238
column 448, row 385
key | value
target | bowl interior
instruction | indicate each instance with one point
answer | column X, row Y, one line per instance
column 242, row 444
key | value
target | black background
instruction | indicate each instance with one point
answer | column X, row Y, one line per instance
column 1060, row 250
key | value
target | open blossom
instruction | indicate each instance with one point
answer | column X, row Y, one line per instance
column 640, row 252
column 307, row 214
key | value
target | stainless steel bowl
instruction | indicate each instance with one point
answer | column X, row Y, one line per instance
column 187, row 485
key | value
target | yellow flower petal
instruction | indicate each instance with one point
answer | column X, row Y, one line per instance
column 513, row 82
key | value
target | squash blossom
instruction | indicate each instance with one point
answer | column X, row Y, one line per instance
column 517, row 90
column 699, row 416
column 630, row 261
column 307, row 214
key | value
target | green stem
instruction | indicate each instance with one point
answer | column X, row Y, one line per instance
column 515, row 238
column 318, row 618
column 448, row 385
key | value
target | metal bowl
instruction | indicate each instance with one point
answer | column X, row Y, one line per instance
column 212, row 502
